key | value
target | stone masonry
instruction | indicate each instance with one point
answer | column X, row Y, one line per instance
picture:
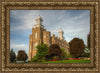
column 39, row 35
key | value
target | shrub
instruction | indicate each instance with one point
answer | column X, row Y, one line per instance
column 36, row 59
column 69, row 56
column 64, row 53
column 41, row 59
column 54, row 50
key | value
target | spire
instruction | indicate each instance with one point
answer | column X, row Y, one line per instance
column 39, row 21
column 38, row 16
column 61, row 34
column 60, row 30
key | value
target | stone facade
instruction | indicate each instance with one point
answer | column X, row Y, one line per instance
column 39, row 35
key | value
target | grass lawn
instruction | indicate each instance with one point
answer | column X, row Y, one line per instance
column 66, row 61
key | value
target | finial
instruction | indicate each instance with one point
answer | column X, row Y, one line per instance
column 39, row 14
column 60, row 29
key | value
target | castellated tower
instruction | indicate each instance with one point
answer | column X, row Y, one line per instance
column 39, row 35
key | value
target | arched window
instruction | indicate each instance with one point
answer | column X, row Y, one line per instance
column 35, row 45
column 36, row 35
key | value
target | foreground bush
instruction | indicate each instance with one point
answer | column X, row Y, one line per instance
column 54, row 50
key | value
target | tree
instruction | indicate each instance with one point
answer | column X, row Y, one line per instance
column 88, row 41
column 54, row 50
column 87, row 52
column 12, row 56
column 64, row 53
column 41, row 52
column 22, row 56
column 76, row 47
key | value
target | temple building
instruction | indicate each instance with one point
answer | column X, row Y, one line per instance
column 39, row 35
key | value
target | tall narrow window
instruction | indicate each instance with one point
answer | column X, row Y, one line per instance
column 30, row 48
column 36, row 35
column 44, row 36
column 35, row 45
column 44, row 42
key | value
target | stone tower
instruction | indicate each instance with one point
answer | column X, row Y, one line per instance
column 35, row 37
column 39, row 35
column 61, row 34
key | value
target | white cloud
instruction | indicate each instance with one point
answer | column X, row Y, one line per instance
column 27, row 19
column 19, row 46
column 73, row 26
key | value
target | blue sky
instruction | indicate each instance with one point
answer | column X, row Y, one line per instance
column 74, row 23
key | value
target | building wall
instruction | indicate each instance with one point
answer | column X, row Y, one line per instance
column 61, row 42
column 40, row 35
column 46, row 37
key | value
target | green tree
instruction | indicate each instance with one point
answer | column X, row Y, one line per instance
column 41, row 53
column 64, row 53
column 76, row 47
column 41, row 50
column 12, row 56
column 22, row 56
column 87, row 52
column 54, row 50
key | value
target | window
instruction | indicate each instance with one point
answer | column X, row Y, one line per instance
column 30, row 48
column 44, row 42
column 35, row 45
column 36, row 35
column 44, row 36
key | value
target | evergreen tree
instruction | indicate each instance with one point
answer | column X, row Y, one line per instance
column 88, row 41
column 12, row 56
